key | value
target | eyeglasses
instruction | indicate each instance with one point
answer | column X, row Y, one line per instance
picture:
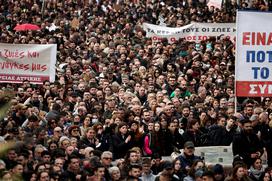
column 75, row 130
column 107, row 158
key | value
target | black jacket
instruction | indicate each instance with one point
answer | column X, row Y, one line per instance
column 246, row 144
column 120, row 147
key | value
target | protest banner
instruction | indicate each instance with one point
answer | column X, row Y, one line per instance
column 253, row 54
column 191, row 32
column 215, row 3
column 35, row 63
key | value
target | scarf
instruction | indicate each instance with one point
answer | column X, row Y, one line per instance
column 256, row 173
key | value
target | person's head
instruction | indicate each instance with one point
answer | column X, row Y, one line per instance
column 74, row 131
column 6, row 176
column 59, row 162
column 138, row 151
column 90, row 133
column 247, row 126
column 150, row 126
column 177, row 164
column 218, row 172
column 73, row 163
column 189, row 148
column 257, row 164
column 249, row 110
column 123, row 128
column 193, row 124
column 230, row 122
column 266, row 176
column 114, row 173
column 57, row 131
column 208, row 176
column 106, row 158
column 69, row 150
column 196, row 170
column 238, row 171
column 198, row 164
column 99, row 171
column 135, row 170
column 46, row 157
column 12, row 155
column 64, row 142
column 168, row 168
column 18, row 169
column 2, row 165
column 43, row 176
column 157, row 126
column 38, row 151
column 221, row 121
column 132, row 156
column 146, row 163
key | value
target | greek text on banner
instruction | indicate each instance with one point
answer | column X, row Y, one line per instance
column 35, row 63
column 253, row 54
column 192, row 32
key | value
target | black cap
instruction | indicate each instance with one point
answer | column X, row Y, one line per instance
column 167, row 165
column 189, row 144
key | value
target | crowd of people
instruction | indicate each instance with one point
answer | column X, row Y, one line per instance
column 121, row 102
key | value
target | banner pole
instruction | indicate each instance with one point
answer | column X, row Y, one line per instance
column 43, row 4
column 235, row 67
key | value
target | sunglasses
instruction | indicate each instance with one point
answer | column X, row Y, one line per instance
column 107, row 158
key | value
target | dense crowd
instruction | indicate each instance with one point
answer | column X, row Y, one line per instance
column 121, row 102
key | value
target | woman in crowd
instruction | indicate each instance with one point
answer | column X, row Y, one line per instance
column 256, row 170
column 121, row 141
column 196, row 171
column 193, row 133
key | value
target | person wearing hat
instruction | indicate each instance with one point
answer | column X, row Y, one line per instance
column 167, row 173
column 218, row 171
column 187, row 157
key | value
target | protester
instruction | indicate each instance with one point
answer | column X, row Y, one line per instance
column 115, row 89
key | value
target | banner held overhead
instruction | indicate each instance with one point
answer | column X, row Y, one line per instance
column 191, row 32
column 253, row 54
column 35, row 63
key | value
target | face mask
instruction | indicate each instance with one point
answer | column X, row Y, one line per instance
column 95, row 120
column 219, row 80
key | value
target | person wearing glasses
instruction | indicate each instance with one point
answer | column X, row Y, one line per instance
column 106, row 160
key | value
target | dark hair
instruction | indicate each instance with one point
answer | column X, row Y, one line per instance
column 208, row 173
column 192, row 170
column 33, row 118
column 191, row 123
column 40, row 173
column 56, row 107
column 135, row 166
column 98, row 165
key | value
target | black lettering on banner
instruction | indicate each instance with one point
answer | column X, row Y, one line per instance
column 204, row 29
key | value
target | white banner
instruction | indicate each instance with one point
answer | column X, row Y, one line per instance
column 254, row 54
column 215, row 3
column 35, row 63
column 192, row 32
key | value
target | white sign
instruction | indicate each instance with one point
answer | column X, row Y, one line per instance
column 254, row 54
column 35, row 63
column 215, row 3
column 192, row 32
